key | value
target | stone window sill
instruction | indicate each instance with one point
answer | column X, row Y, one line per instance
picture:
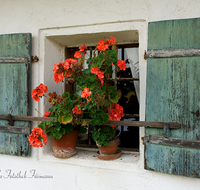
column 86, row 157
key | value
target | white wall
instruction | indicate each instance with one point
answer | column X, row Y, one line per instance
column 47, row 20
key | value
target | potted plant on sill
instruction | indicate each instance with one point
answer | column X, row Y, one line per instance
column 98, row 100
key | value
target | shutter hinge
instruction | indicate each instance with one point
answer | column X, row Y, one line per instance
column 145, row 55
column 35, row 58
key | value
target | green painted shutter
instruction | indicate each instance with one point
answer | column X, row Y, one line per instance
column 173, row 95
column 15, row 65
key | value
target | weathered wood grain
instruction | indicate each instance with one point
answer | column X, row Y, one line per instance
column 172, row 141
column 162, row 53
column 173, row 95
column 15, row 90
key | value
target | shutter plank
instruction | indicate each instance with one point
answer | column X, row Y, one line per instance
column 173, row 95
column 14, row 91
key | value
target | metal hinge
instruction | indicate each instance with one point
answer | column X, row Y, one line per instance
column 35, row 59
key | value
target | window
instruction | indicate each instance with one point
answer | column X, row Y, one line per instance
column 128, row 92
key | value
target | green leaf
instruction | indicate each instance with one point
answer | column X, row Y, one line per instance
column 110, row 71
column 96, row 89
column 103, row 87
column 66, row 95
column 115, row 100
column 106, row 118
column 95, row 121
column 114, row 60
column 112, row 90
column 82, row 129
column 106, row 143
column 92, row 78
column 68, row 128
column 102, row 136
column 87, row 71
column 112, row 52
column 42, row 125
column 66, row 118
column 49, row 133
column 107, row 102
column 109, row 63
column 95, row 135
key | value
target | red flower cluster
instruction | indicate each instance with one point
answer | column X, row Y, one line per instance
column 46, row 114
column 62, row 70
column 85, row 93
column 77, row 54
column 116, row 112
column 99, row 73
column 83, row 49
column 39, row 92
column 36, row 137
column 121, row 64
column 76, row 110
column 103, row 45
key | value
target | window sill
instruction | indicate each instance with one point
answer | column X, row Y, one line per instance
column 86, row 157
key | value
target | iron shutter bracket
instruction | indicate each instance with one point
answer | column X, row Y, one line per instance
column 166, row 130
column 9, row 120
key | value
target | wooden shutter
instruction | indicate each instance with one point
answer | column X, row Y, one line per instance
column 15, row 64
column 173, row 95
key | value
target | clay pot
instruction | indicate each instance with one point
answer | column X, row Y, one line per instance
column 111, row 148
column 109, row 152
column 66, row 146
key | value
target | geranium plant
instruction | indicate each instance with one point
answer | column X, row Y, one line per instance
column 97, row 101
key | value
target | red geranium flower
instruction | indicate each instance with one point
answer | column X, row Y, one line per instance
column 121, row 64
column 76, row 110
column 83, row 49
column 116, row 112
column 85, row 93
column 37, row 137
column 99, row 73
column 39, row 92
column 102, row 45
column 77, row 54
column 47, row 113
column 58, row 72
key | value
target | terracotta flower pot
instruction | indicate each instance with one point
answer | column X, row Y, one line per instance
column 66, row 146
column 109, row 152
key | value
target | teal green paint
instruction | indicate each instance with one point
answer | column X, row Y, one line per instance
column 15, row 91
column 14, row 45
column 174, row 34
column 173, row 95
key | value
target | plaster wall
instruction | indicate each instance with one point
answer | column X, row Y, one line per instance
column 52, row 21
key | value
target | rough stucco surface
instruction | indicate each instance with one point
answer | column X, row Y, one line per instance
column 85, row 172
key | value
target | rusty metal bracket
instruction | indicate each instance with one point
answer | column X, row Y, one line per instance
column 145, row 55
column 9, row 120
column 35, row 58
column 166, row 130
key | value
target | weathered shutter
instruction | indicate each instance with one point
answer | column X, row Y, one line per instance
column 15, row 64
column 173, row 95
